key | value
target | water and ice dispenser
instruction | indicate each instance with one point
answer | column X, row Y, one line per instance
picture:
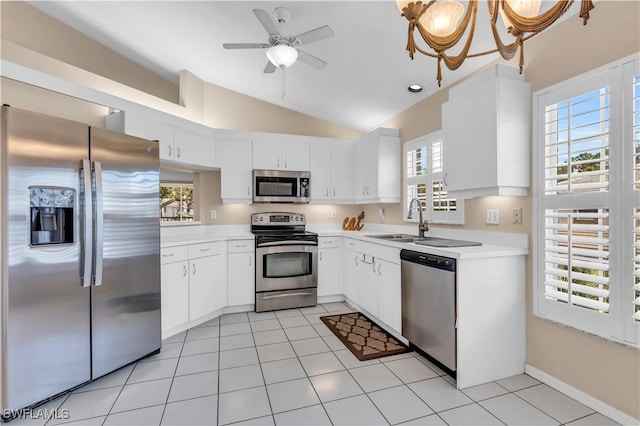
column 52, row 214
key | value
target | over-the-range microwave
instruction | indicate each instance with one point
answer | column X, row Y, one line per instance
column 281, row 186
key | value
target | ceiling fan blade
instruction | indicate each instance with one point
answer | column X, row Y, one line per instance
column 269, row 68
column 316, row 34
column 309, row 59
column 267, row 21
column 246, row 45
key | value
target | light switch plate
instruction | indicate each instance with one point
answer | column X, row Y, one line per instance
column 517, row 215
column 212, row 214
column 493, row 216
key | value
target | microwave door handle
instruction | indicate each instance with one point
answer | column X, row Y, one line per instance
column 87, row 223
column 288, row 243
column 97, row 169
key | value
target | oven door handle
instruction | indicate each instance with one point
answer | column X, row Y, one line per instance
column 288, row 243
column 278, row 296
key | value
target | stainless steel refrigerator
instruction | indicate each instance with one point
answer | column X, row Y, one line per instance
column 80, row 254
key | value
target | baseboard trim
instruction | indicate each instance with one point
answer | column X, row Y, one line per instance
column 578, row 395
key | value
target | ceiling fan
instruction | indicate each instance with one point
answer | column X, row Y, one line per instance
column 282, row 50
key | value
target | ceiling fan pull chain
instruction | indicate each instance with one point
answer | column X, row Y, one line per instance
column 284, row 81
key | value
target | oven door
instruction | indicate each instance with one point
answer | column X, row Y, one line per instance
column 286, row 265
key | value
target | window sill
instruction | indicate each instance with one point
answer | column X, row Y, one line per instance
column 172, row 224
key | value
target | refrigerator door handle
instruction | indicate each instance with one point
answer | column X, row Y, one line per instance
column 87, row 222
column 99, row 229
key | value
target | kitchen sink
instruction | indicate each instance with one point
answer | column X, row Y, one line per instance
column 425, row 241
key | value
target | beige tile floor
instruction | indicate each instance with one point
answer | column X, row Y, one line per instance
column 287, row 368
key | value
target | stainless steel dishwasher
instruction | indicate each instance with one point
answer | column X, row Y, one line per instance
column 428, row 284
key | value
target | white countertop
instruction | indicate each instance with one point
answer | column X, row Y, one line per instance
column 494, row 244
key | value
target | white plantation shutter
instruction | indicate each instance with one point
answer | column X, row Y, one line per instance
column 587, row 174
column 577, row 258
column 425, row 179
column 635, row 192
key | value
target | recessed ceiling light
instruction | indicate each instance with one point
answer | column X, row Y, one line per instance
column 415, row 88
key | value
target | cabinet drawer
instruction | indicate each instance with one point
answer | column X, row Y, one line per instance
column 329, row 242
column 174, row 254
column 240, row 246
column 206, row 249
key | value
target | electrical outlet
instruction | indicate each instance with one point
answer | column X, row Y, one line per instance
column 517, row 216
column 212, row 214
column 381, row 213
column 493, row 216
column 334, row 214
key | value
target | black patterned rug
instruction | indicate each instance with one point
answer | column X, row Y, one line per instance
column 363, row 337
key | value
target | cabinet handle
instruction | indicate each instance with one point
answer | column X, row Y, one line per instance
column 194, row 269
column 168, row 255
column 178, row 152
column 170, row 150
column 285, row 163
column 207, row 249
column 320, row 256
column 444, row 179
column 368, row 190
column 356, row 260
column 379, row 266
column 327, row 192
column 250, row 261
column 363, row 191
column 184, row 270
column 334, row 192
column 278, row 163
column 241, row 245
column 248, row 190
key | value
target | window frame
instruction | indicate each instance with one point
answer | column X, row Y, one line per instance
column 428, row 141
column 170, row 222
column 620, row 199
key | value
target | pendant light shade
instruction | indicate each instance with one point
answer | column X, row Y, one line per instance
column 442, row 18
column 282, row 56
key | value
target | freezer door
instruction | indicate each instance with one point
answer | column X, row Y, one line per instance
column 126, row 290
column 45, row 315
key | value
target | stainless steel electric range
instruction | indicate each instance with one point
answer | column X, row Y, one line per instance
column 286, row 261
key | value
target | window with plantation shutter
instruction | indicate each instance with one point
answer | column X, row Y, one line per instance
column 587, row 188
column 425, row 180
column 635, row 192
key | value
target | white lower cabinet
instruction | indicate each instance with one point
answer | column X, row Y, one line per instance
column 193, row 282
column 241, row 266
column 372, row 281
column 329, row 266
column 175, row 294
column 389, row 293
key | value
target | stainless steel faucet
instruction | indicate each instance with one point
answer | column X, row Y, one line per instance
column 423, row 225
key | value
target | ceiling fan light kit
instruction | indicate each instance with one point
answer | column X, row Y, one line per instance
column 442, row 24
column 283, row 51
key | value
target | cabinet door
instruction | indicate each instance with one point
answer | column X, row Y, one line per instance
column 175, row 294
column 193, row 147
column 146, row 126
column 389, row 293
column 295, row 156
column 207, row 285
column 267, row 154
column 329, row 272
column 341, row 172
column 321, row 171
column 241, row 287
column 236, row 165
column 368, row 285
column 351, row 270
column 469, row 131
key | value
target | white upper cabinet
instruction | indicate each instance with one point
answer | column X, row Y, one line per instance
column 486, row 134
column 186, row 143
column 193, row 146
column 271, row 154
column 377, row 167
column 146, row 126
column 235, row 154
column 331, row 166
